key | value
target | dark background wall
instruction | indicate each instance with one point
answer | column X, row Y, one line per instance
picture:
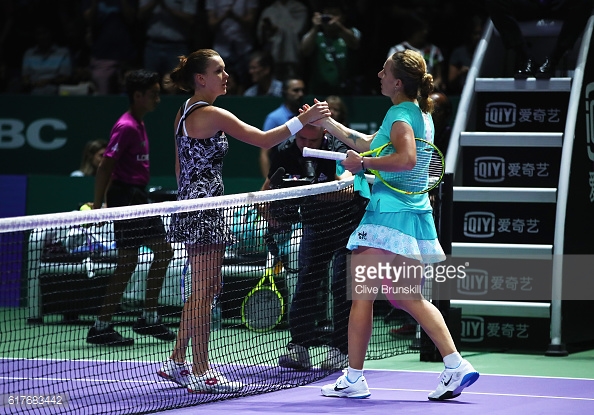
column 42, row 137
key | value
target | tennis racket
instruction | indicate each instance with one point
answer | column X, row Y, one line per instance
column 263, row 308
column 426, row 175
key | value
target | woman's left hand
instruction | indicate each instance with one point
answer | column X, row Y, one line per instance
column 353, row 162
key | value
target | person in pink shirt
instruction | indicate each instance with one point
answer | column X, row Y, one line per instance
column 121, row 180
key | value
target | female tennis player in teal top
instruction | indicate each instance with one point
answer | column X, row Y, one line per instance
column 396, row 228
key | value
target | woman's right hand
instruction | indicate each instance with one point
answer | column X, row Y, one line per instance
column 311, row 114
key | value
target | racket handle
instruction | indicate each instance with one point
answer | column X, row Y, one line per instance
column 323, row 154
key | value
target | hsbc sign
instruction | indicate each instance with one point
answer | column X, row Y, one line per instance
column 41, row 134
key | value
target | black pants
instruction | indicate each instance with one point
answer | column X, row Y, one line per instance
column 131, row 233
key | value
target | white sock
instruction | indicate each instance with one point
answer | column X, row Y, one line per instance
column 101, row 325
column 452, row 361
column 151, row 317
column 353, row 374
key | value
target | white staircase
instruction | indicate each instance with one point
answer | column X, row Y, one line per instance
column 510, row 184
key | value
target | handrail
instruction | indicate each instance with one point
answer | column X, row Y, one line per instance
column 563, row 189
column 467, row 100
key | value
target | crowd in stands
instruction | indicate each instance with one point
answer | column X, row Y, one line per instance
column 87, row 46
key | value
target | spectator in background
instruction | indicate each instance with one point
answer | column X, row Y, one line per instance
column 505, row 15
column 121, row 180
column 279, row 31
column 110, row 27
column 442, row 120
column 331, row 47
column 417, row 40
column 168, row 25
column 461, row 57
column 293, row 92
column 338, row 109
column 233, row 86
column 167, row 86
column 72, row 35
column 45, row 65
column 261, row 69
column 91, row 158
column 6, row 27
column 232, row 22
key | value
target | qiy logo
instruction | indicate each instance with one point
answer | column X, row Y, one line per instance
column 475, row 283
column 500, row 115
column 479, row 224
column 473, row 329
column 489, row 169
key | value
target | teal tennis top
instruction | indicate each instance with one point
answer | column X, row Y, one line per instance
column 383, row 198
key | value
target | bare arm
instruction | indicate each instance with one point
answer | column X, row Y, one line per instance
column 175, row 142
column 347, row 34
column 266, row 184
column 354, row 139
column 455, row 72
column 213, row 119
column 102, row 178
column 405, row 157
column 308, row 42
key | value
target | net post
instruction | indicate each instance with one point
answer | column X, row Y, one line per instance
column 442, row 207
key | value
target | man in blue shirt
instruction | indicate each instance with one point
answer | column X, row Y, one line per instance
column 293, row 92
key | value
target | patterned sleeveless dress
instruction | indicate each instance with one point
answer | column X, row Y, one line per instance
column 201, row 175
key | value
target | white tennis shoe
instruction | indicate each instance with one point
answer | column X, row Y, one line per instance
column 212, row 381
column 342, row 388
column 175, row 372
column 453, row 381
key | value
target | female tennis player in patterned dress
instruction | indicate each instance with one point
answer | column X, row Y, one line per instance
column 396, row 228
column 201, row 143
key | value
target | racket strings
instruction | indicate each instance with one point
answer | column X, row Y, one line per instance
column 263, row 309
column 426, row 173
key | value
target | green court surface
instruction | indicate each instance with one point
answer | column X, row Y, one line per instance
column 53, row 340
column 575, row 365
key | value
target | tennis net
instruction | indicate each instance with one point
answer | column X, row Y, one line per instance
column 56, row 269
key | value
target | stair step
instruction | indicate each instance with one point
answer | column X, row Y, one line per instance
column 500, row 250
column 530, row 84
column 514, row 139
column 502, row 308
column 505, row 194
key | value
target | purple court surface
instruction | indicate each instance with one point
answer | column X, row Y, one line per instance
column 392, row 391
column 405, row 392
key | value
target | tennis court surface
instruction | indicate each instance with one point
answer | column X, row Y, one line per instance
column 52, row 298
column 509, row 384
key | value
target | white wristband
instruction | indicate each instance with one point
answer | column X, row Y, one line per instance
column 294, row 125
